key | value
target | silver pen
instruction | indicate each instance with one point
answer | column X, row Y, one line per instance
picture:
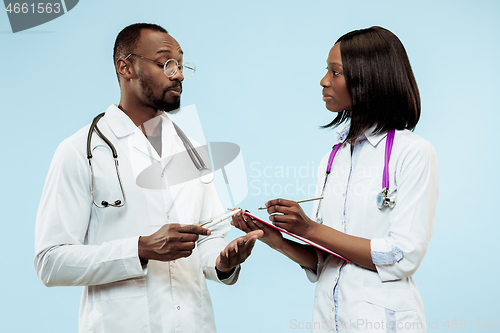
column 210, row 224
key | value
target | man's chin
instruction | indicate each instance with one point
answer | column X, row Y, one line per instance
column 170, row 107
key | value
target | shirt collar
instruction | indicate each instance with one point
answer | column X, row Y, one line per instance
column 342, row 134
column 119, row 122
column 374, row 139
column 122, row 125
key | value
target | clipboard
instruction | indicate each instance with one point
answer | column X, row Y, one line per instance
column 307, row 241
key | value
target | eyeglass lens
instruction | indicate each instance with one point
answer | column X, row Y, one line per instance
column 171, row 67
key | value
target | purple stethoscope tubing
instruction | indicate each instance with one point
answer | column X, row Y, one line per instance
column 388, row 149
column 383, row 196
column 389, row 142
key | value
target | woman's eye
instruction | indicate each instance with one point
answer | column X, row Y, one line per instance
column 333, row 71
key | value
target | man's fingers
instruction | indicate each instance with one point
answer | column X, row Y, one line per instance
column 194, row 229
column 242, row 250
column 186, row 237
column 186, row 246
column 223, row 259
column 183, row 254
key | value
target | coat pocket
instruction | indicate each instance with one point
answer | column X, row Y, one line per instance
column 120, row 306
column 391, row 310
column 392, row 299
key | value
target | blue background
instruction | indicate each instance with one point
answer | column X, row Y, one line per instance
column 259, row 65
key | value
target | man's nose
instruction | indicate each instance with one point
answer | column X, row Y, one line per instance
column 178, row 75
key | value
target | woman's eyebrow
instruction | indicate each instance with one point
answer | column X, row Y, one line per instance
column 334, row 64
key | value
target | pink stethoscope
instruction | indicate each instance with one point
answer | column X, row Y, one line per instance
column 383, row 198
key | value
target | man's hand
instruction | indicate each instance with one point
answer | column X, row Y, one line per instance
column 171, row 242
column 237, row 251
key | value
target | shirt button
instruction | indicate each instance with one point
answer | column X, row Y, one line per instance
column 178, row 308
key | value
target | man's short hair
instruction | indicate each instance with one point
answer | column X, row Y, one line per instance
column 127, row 40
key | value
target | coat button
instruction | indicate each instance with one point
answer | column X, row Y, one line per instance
column 178, row 308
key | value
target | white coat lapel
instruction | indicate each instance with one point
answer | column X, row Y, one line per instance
column 142, row 144
column 171, row 144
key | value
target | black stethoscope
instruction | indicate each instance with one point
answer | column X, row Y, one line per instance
column 206, row 174
column 383, row 198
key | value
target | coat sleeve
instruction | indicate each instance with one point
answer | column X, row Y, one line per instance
column 61, row 256
column 400, row 252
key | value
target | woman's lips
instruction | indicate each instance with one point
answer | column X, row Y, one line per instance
column 327, row 98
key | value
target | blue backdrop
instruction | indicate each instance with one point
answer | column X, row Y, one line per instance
column 259, row 65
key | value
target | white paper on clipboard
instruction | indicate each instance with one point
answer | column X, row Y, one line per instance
column 307, row 241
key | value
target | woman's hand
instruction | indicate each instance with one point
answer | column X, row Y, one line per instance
column 289, row 215
column 271, row 237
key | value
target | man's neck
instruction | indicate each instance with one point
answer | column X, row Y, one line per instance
column 145, row 118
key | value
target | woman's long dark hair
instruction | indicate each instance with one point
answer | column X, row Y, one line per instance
column 380, row 81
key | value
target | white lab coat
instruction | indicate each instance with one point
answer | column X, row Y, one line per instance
column 78, row 244
column 355, row 299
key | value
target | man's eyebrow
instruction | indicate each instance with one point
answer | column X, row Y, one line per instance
column 167, row 51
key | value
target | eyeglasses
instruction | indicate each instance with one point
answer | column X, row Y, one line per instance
column 171, row 66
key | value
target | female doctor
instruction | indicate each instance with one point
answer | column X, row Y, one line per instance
column 380, row 188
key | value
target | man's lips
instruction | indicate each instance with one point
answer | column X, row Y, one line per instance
column 175, row 91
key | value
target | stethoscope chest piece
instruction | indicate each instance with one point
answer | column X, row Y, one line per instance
column 207, row 175
column 383, row 199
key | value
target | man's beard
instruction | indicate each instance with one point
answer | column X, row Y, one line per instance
column 159, row 103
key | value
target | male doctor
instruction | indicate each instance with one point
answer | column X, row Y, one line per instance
column 143, row 265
